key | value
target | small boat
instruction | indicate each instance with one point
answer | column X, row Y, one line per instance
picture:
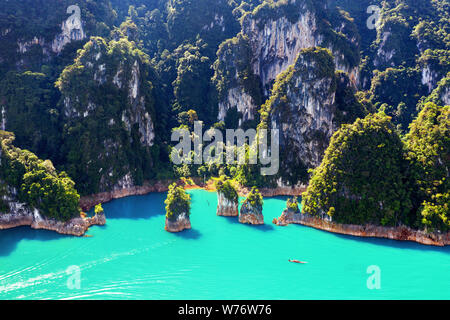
column 296, row 261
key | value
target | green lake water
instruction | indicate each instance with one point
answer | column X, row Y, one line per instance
column 132, row 257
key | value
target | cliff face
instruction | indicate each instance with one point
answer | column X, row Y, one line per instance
column 24, row 217
column 305, row 109
column 288, row 216
column 276, row 44
column 103, row 69
column 3, row 119
column 226, row 207
column 71, row 30
column 182, row 222
column 251, row 214
column 270, row 41
column 35, row 34
column 18, row 214
column 119, row 123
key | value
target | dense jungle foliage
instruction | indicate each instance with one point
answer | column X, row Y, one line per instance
column 103, row 105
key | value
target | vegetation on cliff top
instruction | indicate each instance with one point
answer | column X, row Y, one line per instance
column 225, row 187
column 110, row 94
column 178, row 202
column 36, row 182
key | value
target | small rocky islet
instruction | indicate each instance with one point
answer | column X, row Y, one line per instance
column 227, row 198
column 178, row 209
column 251, row 210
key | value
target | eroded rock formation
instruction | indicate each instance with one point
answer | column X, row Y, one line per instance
column 251, row 210
column 180, row 223
column 227, row 207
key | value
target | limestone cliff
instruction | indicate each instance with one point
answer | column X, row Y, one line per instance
column 290, row 214
column 3, row 119
column 441, row 94
column 270, row 40
column 402, row 233
column 33, row 35
column 304, row 109
column 251, row 215
column 23, row 216
column 71, row 30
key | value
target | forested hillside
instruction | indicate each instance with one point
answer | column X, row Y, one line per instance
column 98, row 92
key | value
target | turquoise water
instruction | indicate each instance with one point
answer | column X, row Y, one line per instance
column 134, row 258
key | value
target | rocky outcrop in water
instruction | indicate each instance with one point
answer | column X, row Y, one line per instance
column 121, row 130
column 270, row 41
column 23, row 216
column 178, row 209
column 227, row 198
column 227, row 207
column 290, row 215
column 18, row 214
column 181, row 223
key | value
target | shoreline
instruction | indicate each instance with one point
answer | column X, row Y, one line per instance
column 75, row 227
column 88, row 202
column 402, row 233
column 366, row 231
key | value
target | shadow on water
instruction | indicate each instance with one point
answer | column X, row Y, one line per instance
column 136, row 207
column 264, row 227
column 191, row 234
column 10, row 238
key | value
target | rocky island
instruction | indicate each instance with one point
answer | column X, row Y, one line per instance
column 227, row 199
column 178, row 207
column 290, row 215
column 251, row 210
column 33, row 193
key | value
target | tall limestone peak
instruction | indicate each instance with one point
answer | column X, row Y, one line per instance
column 271, row 37
column 108, row 101
column 305, row 106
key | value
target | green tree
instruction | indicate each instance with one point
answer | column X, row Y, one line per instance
column 178, row 202
column 428, row 144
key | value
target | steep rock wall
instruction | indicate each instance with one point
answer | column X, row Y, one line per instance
column 273, row 38
column 304, row 108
